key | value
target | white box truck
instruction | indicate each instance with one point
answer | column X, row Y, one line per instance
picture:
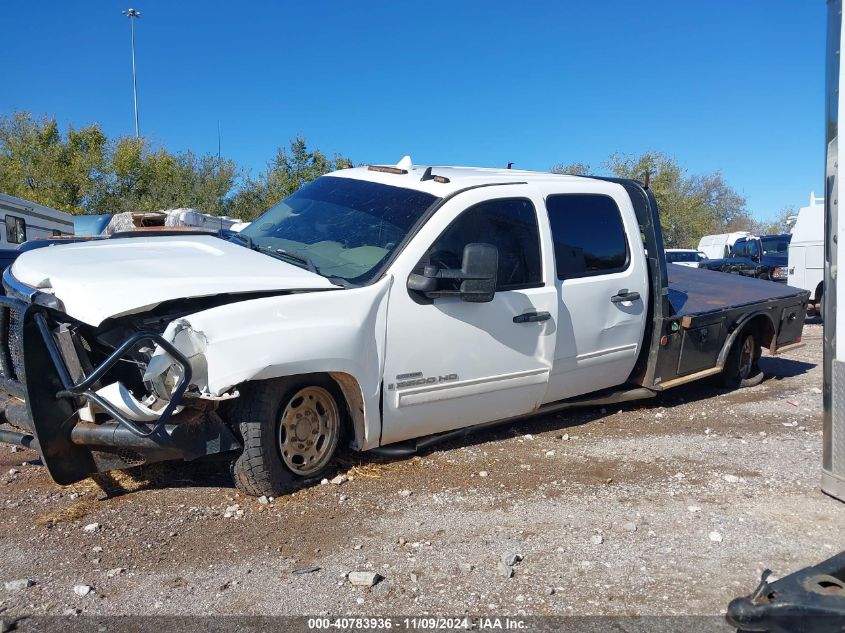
column 806, row 251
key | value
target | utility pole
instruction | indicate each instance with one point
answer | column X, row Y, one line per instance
column 134, row 14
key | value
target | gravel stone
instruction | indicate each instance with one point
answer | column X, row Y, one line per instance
column 364, row 578
column 17, row 585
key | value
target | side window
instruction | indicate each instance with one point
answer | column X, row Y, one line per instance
column 740, row 248
column 753, row 248
column 588, row 235
column 508, row 224
column 15, row 230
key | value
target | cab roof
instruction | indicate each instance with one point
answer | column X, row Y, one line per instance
column 445, row 180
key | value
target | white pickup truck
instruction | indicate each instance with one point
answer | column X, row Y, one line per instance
column 380, row 308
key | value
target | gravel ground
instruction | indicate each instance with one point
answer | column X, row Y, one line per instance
column 671, row 506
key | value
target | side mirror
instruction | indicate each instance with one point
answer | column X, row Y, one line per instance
column 480, row 269
column 477, row 276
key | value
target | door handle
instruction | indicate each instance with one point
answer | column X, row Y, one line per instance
column 532, row 317
column 624, row 295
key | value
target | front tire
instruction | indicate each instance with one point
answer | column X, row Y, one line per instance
column 742, row 367
column 291, row 430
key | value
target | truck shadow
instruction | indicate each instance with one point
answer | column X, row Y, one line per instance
column 213, row 472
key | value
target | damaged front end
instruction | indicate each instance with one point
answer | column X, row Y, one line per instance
column 125, row 393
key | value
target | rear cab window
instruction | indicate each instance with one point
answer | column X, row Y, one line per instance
column 588, row 234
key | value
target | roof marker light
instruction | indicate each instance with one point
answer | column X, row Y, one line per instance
column 387, row 170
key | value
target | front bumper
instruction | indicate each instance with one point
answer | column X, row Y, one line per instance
column 35, row 355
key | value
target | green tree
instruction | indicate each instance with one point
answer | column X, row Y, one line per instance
column 290, row 168
column 690, row 205
column 573, row 169
column 38, row 163
column 141, row 179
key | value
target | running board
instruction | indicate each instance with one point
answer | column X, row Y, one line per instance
column 688, row 378
column 405, row 449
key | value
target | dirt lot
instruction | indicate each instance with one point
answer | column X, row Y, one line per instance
column 674, row 506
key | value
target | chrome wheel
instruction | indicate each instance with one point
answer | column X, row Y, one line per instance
column 308, row 430
column 746, row 357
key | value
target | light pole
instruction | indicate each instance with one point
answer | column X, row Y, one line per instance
column 133, row 14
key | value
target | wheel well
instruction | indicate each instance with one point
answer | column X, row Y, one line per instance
column 765, row 329
column 351, row 398
column 354, row 403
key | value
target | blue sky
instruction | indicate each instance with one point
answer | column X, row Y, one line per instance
column 719, row 84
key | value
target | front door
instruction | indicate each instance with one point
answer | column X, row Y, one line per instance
column 450, row 363
column 602, row 287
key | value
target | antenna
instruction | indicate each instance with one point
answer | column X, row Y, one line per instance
column 510, row 165
column 646, row 179
column 218, row 140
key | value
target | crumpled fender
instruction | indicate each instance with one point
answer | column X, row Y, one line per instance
column 337, row 331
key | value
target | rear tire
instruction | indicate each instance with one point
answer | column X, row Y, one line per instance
column 291, row 430
column 741, row 366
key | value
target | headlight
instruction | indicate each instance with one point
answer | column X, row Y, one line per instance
column 780, row 272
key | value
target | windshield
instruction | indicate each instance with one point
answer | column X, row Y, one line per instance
column 684, row 256
column 775, row 244
column 339, row 227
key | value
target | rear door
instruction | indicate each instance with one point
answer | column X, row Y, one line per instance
column 451, row 363
column 602, row 291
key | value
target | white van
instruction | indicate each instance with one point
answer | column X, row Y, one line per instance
column 25, row 220
column 719, row 246
column 806, row 251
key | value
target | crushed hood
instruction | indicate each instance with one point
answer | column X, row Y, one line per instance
column 102, row 279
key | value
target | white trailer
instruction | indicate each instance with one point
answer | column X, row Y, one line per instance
column 806, row 251
column 25, row 220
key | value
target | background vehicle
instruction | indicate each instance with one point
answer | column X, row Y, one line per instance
column 719, row 246
column 806, row 251
column 25, row 220
column 385, row 307
column 684, row 256
column 172, row 218
column 761, row 257
column 90, row 224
